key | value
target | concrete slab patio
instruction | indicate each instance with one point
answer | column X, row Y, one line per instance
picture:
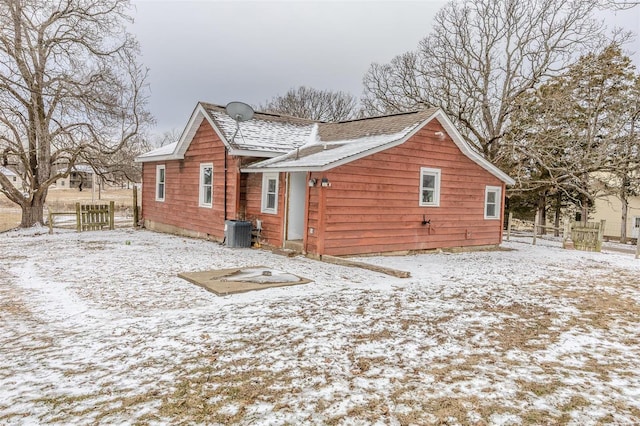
column 223, row 282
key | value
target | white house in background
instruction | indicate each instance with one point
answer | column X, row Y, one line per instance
column 79, row 173
column 12, row 176
column 609, row 208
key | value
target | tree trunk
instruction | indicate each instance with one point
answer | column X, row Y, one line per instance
column 558, row 213
column 585, row 210
column 33, row 210
column 624, row 211
column 542, row 212
column 31, row 214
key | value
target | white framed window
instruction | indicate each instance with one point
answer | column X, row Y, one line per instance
column 206, row 185
column 270, row 193
column 429, row 187
column 160, row 182
column 492, row 198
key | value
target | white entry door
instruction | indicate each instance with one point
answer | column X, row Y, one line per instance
column 295, row 214
column 635, row 227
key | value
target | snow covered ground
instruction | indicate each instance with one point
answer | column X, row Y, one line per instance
column 97, row 328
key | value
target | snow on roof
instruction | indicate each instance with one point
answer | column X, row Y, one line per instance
column 82, row 168
column 7, row 172
column 336, row 143
column 160, row 152
column 321, row 154
column 264, row 132
column 295, row 144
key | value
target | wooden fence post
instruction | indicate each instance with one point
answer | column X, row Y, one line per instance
column 50, row 223
column 535, row 228
column 600, row 235
column 509, row 226
column 111, row 215
column 136, row 213
column 78, row 226
column 565, row 237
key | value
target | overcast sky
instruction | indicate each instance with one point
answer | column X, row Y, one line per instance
column 219, row 51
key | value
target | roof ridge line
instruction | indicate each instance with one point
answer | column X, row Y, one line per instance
column 270, row 114
column 416, row 111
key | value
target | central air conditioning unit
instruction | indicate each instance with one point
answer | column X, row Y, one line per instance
column 237, row 233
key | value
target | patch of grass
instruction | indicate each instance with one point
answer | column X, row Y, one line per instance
column 539, row 388
column 203, row 393
column 538, row 417
column 575, row 402
column 525, row 327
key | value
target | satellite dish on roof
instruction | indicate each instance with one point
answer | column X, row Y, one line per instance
column 239, row 111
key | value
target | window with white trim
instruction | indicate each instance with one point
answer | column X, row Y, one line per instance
column 429, row 187
column 492, row 198
column 160, row 182
column 270, row 193
column 206, row 185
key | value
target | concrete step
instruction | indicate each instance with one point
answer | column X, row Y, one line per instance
column 294, row 245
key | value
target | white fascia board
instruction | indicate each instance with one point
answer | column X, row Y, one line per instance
column 197, row 116
column 214, row 126
column 467, row 150
column 249, row 153
column 283, row 169
column 457, row 138
column 200, row 114
column 341, row 161
column 157, row 158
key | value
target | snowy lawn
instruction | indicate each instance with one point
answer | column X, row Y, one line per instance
column 97, row 328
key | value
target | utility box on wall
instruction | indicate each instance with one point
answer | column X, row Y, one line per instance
column 237, row 233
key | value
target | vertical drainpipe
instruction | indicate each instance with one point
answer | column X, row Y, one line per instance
column 225, row 183
column 322, row 196
column 307, row 196
column 502, row 206
column 285, row 215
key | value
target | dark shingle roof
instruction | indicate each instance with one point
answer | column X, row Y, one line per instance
column 373, row 126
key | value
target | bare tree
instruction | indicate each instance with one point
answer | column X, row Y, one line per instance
column 167, row 137
column 619, row 4
column 71, row 91
column 314, row 104
column 479, row 57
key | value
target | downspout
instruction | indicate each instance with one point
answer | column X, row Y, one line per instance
column 225, row 183
column 502, row 209
column 307, row 196
column 285, row 216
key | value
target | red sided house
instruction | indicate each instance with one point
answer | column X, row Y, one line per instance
column 400, row 182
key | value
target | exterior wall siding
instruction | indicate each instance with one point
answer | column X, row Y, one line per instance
column 609, row 208
column 180, row 212
column 373, row 206
column 272, row 224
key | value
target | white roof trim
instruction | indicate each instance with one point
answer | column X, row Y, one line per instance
column 249, row 153
column 195, row 120
column 466, row 149
column 159, row 154
column 7, row 172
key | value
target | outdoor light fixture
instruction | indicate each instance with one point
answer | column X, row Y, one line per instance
column 312, row 182
column 325, row 182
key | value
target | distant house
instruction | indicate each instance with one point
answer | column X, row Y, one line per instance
column 80, row 174
column 12, row 176
column 609, row 208
column 400, row 182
